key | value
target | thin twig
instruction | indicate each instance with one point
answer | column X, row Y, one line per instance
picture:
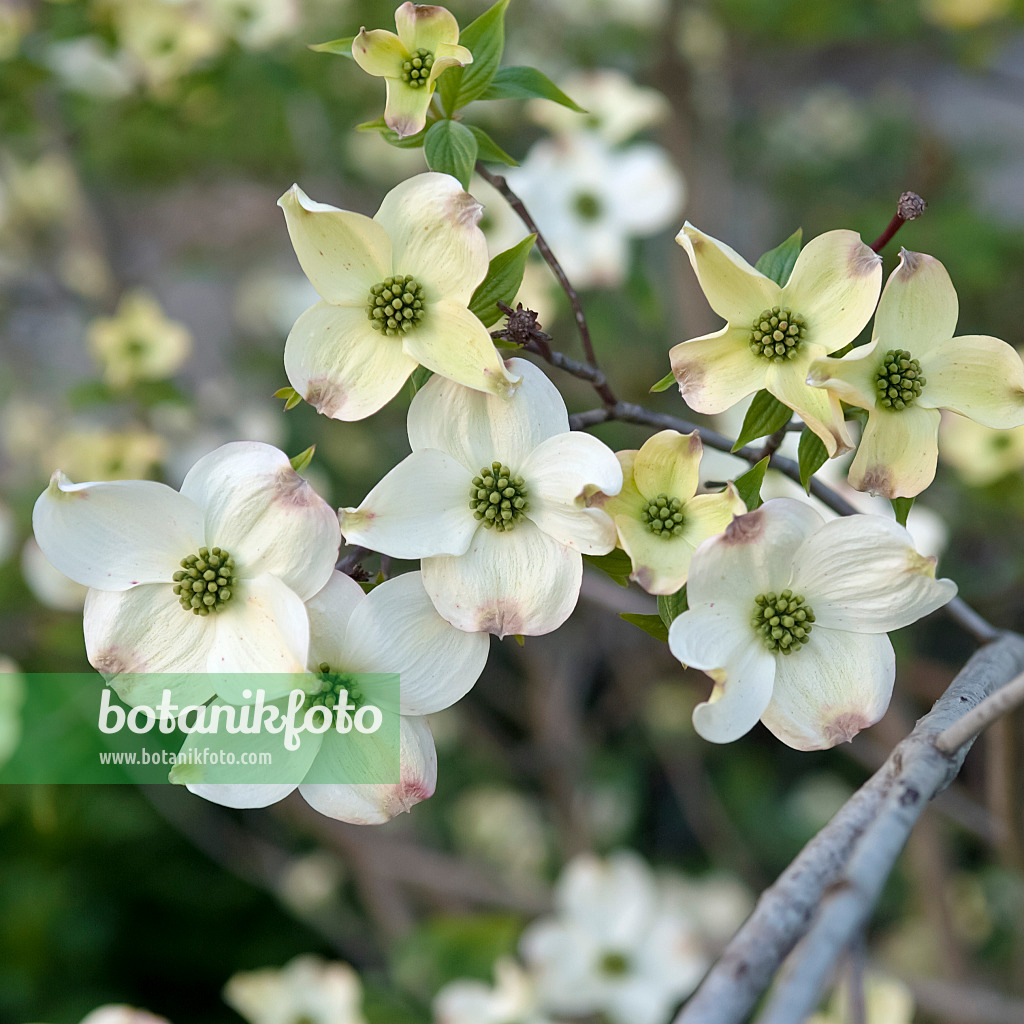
column 910, row 206
column 978, row 719
column 498, row 182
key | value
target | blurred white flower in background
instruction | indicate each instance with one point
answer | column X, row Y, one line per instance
column 614, row 944
column 89, row 65
column 98, row 453
column 254, row 24
column 306, row 989
column 590, row 200
column 49, row 586
column 827, row 124
column 122, row 1015
column 641, row 13
column 980, row 455
column 15, row 24
column 717, row 903
column 484, row 817
column 513, row 999
column 267, row 301
column 12, row 696
column 886, row 1001
column 8, row 532
column 616, row 107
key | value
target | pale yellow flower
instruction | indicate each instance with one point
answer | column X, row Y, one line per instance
column 980, row 454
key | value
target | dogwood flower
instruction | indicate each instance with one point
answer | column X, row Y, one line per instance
column 395, row 292
column 979, row 454
column 138, row 342
column 513, row 999
column 410, row 62
column 658, row 514
column 306, row 989
column 773, row 332
column 393, row 629
column 612, row 946
column 492, row 500
column 209, row 579
column 914, row 367
column 788, row 615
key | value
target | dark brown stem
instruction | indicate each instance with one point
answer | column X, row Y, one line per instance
column 498, row 182
column 909, row 207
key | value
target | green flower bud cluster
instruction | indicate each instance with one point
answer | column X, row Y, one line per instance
column 776, row 333
column 614, row 965
column 416, row 70
column 898, row 380
column 497, row 498
column 205, row 580
column 663, row 516
column 395, row 305
column 783, row 620
column 331, row 686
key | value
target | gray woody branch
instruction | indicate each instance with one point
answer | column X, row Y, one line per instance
column 826, row 895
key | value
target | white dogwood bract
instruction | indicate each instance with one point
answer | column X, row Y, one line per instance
column 613, row 945
column 830, row 295
column 512, row 999
column 492, row 500
column 306, row 989
column 395, row 292
column 239, row 611
column 393, row 629
column 782, row 579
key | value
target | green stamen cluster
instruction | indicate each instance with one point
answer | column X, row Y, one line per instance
column 898, row 380
column 416, row 70
column 497, row 498
column 587, row 206
column 776, row 333
column 205, row 581
column 663, row 516
column 614, row 965
column 331, row 685
column 783, row 620
column 395, row 305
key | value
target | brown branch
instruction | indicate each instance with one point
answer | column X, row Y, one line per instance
column 909, row 207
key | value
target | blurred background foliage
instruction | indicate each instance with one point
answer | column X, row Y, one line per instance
column 143, row 145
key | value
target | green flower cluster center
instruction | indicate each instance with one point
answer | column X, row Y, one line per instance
column 395, row 305
column 331, row 686
column 205, row 581
column 898, row 380
column 783, row 620
column 614, row 965
column 416, row 70
column 777, row 333
column 663, row 516
column 587, row 206
column 497, row 498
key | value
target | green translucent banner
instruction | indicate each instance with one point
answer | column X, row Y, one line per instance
column 200, row 729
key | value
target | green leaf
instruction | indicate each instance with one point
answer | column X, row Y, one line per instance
column 778, row 263
column 665, row 383
column 291, row 397
column 485, row 39
column 504, row 276
column 522, row 83
column 672, row 605
column 648, row 623
column 616, row 564
column 765, row 415
column 419, row 377
column 902, row 507
column 450, row 147
column 342, row 47
column 489, row 151
column 303, row 459
column 811, row 455
column 749, row 484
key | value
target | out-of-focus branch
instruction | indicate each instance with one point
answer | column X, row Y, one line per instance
column 980, row 718
column 826, row 894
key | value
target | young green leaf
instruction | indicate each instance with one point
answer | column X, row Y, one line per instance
column 489, row 151
column 648, row 623
column 811, row 455
column 778, row 263
column 303, row 459
column 902, row 507
column 392, row 137
column 665, row 383
column 291, row 397
column 765, row 415
column 749, row 484
column 450, row 147
column 616, row 564
column 485, row 39
column 672, row 605
column 419, row 377
column 522, row 83
column 504, row 276
column 342, row 47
